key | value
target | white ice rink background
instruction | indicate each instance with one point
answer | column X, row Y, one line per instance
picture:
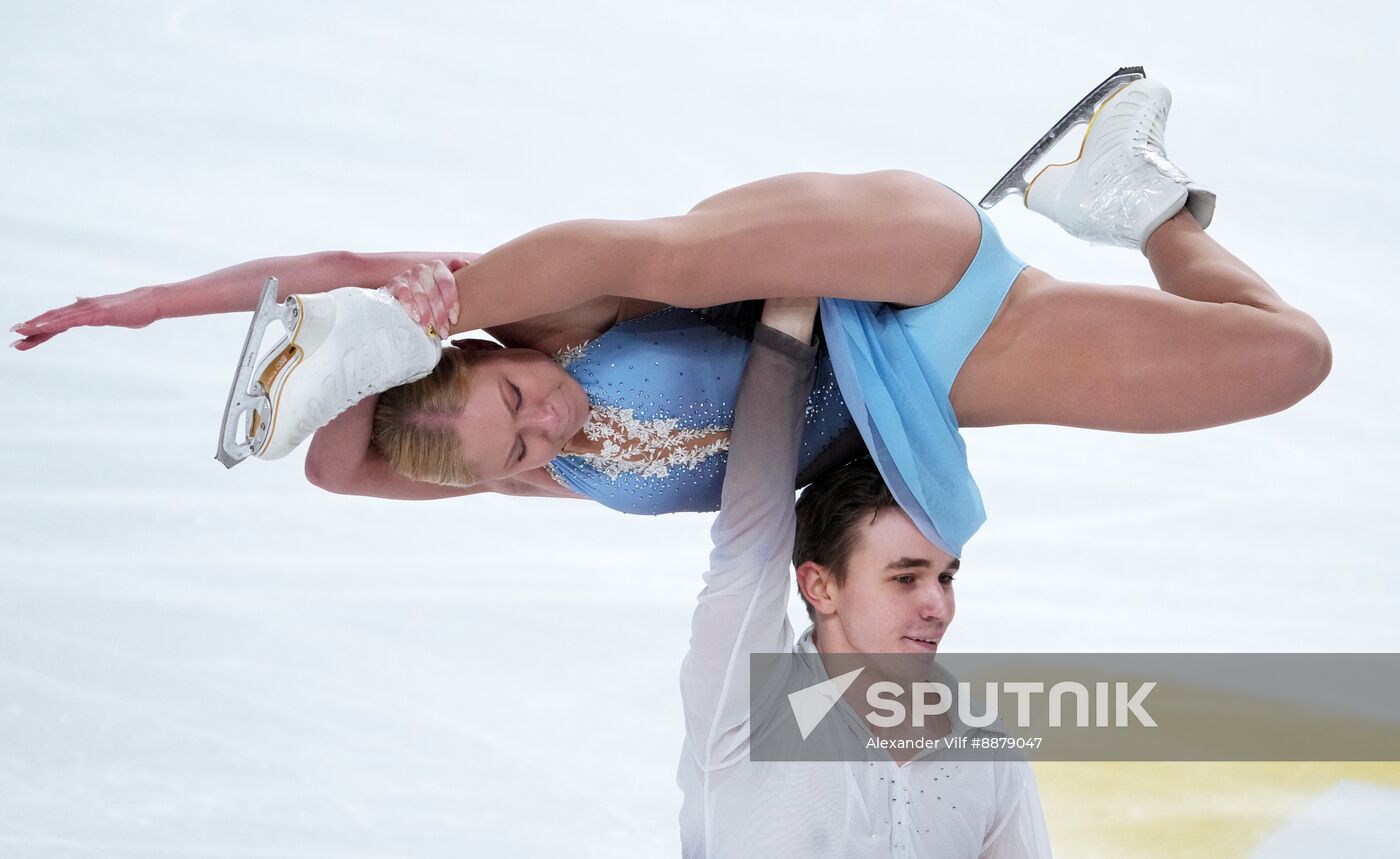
column 196, row 662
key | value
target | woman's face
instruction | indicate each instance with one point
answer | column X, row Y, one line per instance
column 521, row 410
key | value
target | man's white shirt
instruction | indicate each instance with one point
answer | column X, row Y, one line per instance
column 736, row 807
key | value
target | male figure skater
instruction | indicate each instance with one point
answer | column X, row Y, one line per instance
column 873, row 585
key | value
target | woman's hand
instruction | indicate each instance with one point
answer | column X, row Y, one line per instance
column 429, row 293
column 134, row 309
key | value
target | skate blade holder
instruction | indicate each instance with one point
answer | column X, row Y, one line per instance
column 1015, row 182
column 247, row 420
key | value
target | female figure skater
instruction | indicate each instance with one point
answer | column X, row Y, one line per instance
column 930, row 325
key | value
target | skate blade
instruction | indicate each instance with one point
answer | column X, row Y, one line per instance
column 250, row 397
column 1015, row 179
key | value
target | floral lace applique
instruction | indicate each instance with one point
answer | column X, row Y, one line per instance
column 631, row 445
column 650, row 448
column 569, row 354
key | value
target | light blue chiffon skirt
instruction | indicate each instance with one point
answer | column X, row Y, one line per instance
column 896, row 367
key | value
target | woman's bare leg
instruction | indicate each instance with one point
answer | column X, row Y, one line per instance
column 1215, row 345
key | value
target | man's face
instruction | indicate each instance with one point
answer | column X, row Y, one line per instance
column 897, row 596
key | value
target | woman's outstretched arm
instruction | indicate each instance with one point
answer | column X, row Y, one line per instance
column 226, row 291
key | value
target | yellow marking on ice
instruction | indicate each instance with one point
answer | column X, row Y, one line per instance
column 1218, row 809
column 1184, row 810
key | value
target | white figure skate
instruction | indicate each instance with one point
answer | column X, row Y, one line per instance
column 340, row 347
column 1121, row 186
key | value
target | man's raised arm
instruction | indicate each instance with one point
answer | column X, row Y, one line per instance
column 743, row 607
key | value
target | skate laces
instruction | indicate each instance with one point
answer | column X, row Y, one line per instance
column 1134, row 137
column 1155, row 135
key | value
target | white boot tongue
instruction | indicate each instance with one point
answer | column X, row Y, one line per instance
column 1200, row 203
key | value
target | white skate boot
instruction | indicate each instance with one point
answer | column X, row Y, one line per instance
column 341, row 346
column 1121, row 186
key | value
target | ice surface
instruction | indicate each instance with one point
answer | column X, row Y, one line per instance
column 1349, row 819
column 196, row 662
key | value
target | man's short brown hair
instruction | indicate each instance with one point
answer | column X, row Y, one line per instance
column 829, row 512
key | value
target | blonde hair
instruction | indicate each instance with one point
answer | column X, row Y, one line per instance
column 414, row 424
